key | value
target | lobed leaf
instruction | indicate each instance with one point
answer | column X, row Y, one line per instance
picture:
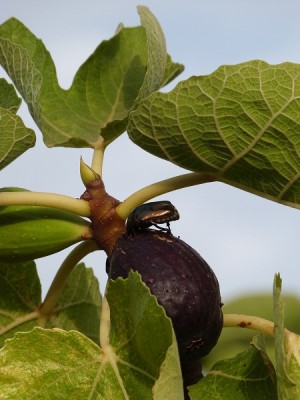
column 78, row 307
column 9, row 99
column 241, row 124
column 54, row 364
column 99, row 92
column 48, row 364
column 172, row 70
column 20, row 295
column 157, row 53
column 248, row 375
column 15, row 138
column 94, row 110
column 141, row 336
column 169, row 383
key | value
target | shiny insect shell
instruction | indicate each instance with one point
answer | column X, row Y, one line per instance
column 152, row 214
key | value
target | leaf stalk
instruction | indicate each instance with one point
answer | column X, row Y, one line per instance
column 98, row 156
column 77, row 254
column 162, row 187
column 62, row 202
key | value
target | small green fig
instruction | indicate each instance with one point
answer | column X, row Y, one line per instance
column 30, row 232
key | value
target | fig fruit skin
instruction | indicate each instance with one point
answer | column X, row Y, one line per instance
column 183, row 283
column 191, row 371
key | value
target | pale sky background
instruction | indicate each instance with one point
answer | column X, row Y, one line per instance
column 244, row 238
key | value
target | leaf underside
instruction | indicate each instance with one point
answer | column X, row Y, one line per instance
column 15, row 138
column 241, row 124
column 94, row 110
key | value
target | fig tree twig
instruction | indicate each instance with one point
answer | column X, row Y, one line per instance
column 250, row 322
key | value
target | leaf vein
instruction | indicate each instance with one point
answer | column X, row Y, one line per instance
column 257, row 137
column 237, row 378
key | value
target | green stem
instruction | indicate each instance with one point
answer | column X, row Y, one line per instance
column 64, row 271
column 97, row 161
column 248, row 321
column 75, row 206
column 162, row 187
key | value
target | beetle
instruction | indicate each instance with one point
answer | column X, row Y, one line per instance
column 152, row 214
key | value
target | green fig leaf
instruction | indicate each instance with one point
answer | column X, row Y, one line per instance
column 169, row 383
column 141, row 334
column 9, row 99
column 20, row 295
column 48, row 364
column 248, row 375
column 160, row 68
column 79, row 305
column 172, row 71
column 287, row 350
column 157, row 53
column 103, row 88
column 240, row 124
column 137, row 344
column 15, row 138
column 94, row 110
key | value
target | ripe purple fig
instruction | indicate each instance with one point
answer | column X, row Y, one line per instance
column 184, row 285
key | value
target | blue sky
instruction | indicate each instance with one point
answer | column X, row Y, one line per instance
column 244, row 238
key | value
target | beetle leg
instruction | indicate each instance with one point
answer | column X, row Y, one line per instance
column 167, row 229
